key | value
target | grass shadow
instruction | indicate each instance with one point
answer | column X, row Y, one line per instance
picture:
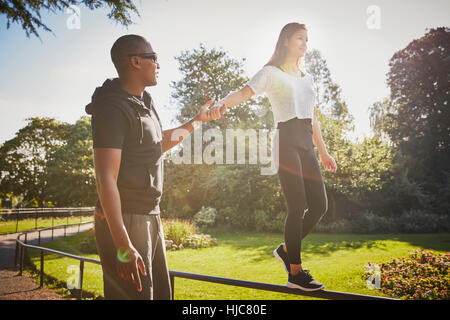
column 327, row 247
column 259, row 246
column 427, row 241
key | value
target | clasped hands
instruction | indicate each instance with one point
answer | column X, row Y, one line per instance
column 208, row 113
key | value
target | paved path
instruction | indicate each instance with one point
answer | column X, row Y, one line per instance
column 14, row 287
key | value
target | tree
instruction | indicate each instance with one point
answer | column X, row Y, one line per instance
column 70, row 169
column 416, row 116
column 344, row 188
column 211, row 74
column 328, row 93
column 24, row 159
column 378, row 116
column 28, row 13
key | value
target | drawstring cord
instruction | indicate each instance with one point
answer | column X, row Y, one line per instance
column 157, row 238
column 141, row 127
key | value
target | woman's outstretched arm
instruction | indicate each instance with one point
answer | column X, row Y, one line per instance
column 234, row 98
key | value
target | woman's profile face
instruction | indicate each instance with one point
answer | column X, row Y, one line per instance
column 297, row 44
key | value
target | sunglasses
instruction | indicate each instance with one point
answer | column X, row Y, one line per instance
column 150, row 55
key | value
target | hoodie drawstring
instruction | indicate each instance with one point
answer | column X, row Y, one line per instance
column 141, row 137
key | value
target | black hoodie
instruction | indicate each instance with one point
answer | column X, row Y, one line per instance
column 140, row 177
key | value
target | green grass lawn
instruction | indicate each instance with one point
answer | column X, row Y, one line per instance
column 337, row 260
column 30, row 224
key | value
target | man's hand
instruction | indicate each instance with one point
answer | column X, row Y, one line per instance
column 205, row 114
column 220, row 106
column 128, row 263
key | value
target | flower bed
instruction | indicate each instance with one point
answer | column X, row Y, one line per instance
column 422, row 275
column 180, row 234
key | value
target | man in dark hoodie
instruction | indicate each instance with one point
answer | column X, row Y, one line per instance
column 128, row 158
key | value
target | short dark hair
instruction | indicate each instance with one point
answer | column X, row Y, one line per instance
column 130, row 43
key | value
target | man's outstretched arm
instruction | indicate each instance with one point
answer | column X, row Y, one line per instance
column 172, row 137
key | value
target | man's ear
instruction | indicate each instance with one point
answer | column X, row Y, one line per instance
column 134, row 62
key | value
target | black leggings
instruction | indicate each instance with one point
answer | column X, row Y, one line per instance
column 302, row 184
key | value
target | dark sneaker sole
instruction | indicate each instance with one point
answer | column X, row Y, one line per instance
column 296, row 286
column 275, row 253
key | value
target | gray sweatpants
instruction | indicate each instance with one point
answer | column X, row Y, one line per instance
column 146, row 235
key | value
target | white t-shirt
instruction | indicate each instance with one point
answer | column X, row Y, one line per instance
column 290, row 96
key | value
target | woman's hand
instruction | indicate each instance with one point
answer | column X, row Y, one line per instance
column 328, row 162
column 219, row 107
column 207, row 114
column 233, row 99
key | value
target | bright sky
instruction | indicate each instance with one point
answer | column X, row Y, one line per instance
column 56, row 77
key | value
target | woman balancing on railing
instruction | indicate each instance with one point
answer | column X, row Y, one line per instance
column 291, row 95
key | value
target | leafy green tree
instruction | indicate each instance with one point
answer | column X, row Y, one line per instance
column 416, row 117
column 211, row 74
column 70, row 169
column 24, row 159
column 328, row 93
column 378, row 116
column 361, row 165
column 28, row 13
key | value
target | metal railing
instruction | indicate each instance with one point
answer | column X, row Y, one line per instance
column 37, row 213
column 324, row 294
column 46, row 209
column 22, row 246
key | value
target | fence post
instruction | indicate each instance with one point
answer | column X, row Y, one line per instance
column 22, row 253
column 42, row 269
column 39, row 239
column 16, row 255
column 53, row 226
column 70, row 215
column 172, row 286
column 17, row 221
column 81, row 279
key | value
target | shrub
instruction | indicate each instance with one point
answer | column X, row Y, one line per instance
column 363, row 222
column 180, row 234
column 177, row 230
column 236, row 218
column 200, row 241
column 206, row 217
column 266, row 223
column 414, row 221
column 423, row 275
column 225, row 217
